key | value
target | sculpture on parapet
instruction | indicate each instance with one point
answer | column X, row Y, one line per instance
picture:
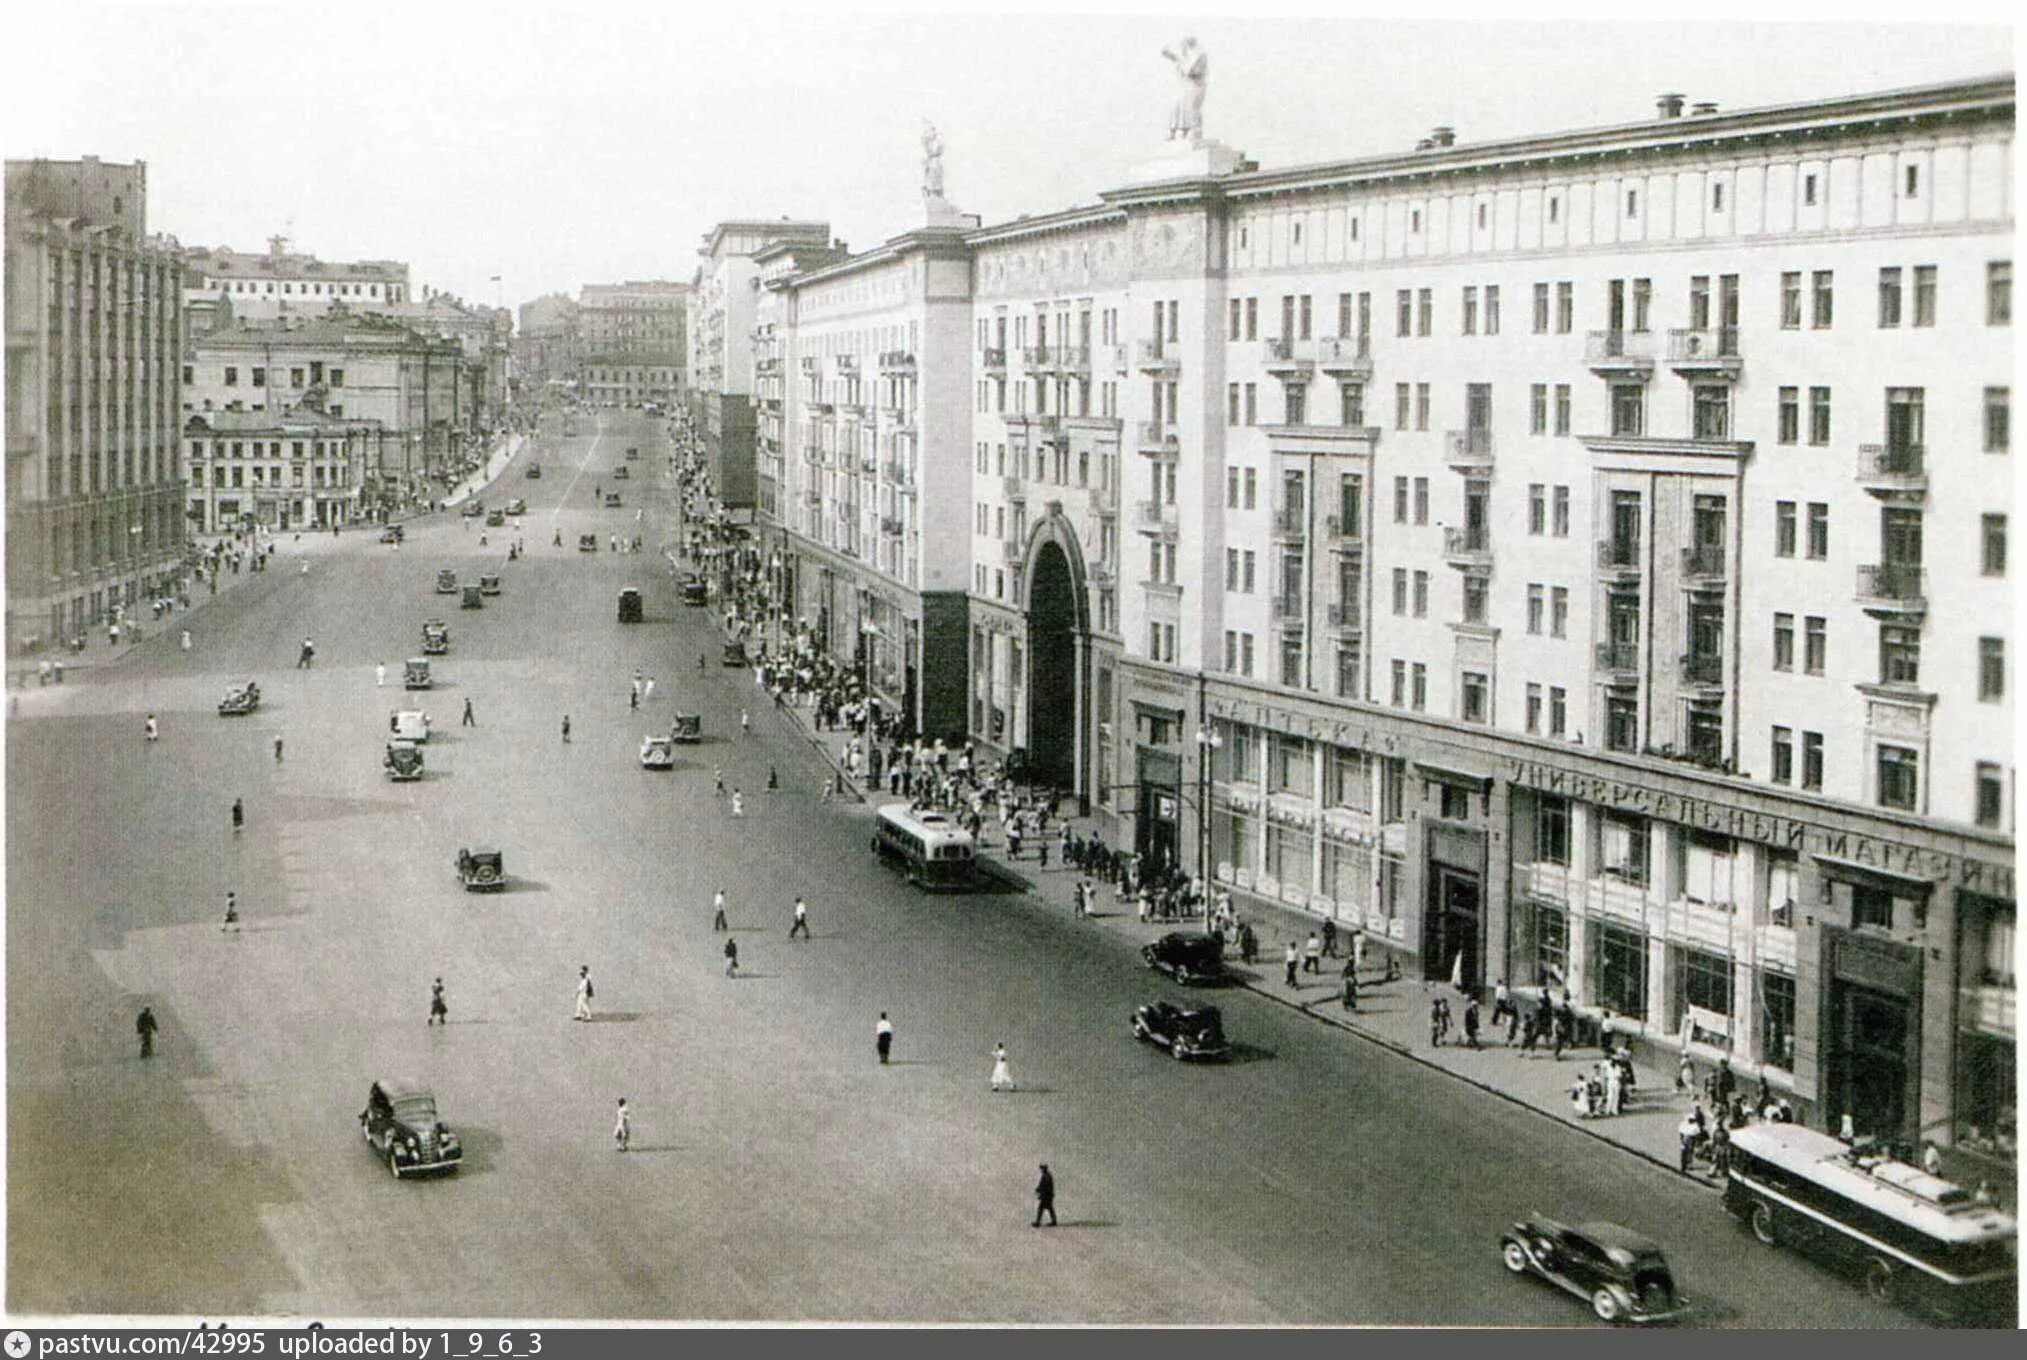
column 1193, row 73
column 932, row 161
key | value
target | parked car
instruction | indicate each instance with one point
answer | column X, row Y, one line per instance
column 633, row 450
column 409, row 724
column 482, row 869
column 489, row 583
column 239, row 700
column 495, row 518
column 587, row 543
column 621, row 473
column 695, row 592
column 534, row 472
column 735, row 654
column 473, row 509
column 1622, row 1275
column 401, row 1125
column 657, row 753
column 435, row 637
column 415, row 673
column 473, row 598
column 1185, row 1031
column 1187, row 957
column 403, row 760
column 446, row 581
column 629, row 605
column 392, row 534
column 688, row 728
column 612, row 500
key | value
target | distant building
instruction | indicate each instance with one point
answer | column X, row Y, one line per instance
column 94, row 340
column 281, row 282
column 298, row 467
column 543, row 341
column 630, row 344
column 483, row 333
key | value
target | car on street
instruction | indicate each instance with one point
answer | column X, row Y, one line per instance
column 657, row 753
column 392, row 534
column 688, row 728
column 517, row 506
column 435, row 637
column 408, row 724
column 1187, row 957
column 695, row 592
column 735, row 654
column 495, row 518
column 239, row 700
column 403, row 760
column 612, row 500
column 489, row 583
column 474, row 598
column 1621, row 1274
column 482, row 869
column 415, row 673
column 621, row 473
column 402, row 1126
column 1185, row 1031
column 534, row 472
column 633, row 450
column 629, row 605
column 473, row 509
column 587, row 543
column 446, row 581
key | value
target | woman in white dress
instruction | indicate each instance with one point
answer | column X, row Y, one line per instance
column 1001, row 1076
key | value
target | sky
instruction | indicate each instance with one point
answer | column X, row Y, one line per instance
column 557, row 145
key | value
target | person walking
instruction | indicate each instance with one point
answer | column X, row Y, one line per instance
column 584, row 993
column 1045, row 1197
column 801, row 921
column 622, row 1128
column 745, row 723
column 468, row 720
column 151, row 729
column 1471, row 1022
column 439, row 1009
column 633, row 700
column 230, row 926
column 238, row 816
column 718, row 911
column 1312, row 954
column 144, row 1025
column 1291, row 962
column 277, row 748
column 731, row 957
column 186, row 639
column 1350, row 972
column 1329, row 938
column 1436, row 1023
column 1002, row 1075
column 883, row 1038
column 566, row 729
column 738, row 803
column 379, row 675
column 719, row 774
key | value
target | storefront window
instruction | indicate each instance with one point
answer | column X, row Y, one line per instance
column 1619, row 971
column 1390, row 872
column 1290, row 771
column 1346, row 782
column 1233, row 838
column 1622, row 846
column 1703, row 983
column 1551, row 945
column 1988, row 1096
column 1347, row 876
column 1706, row 868
column 1551, row 829
column 1288, row 856
column 1784, row 885
column 1236, row 759
column 1777, row 1020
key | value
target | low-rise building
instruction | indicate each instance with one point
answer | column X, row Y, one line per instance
column 299, row 467
column 282, row 282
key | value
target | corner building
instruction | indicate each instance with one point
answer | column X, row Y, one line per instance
column 1534, row 552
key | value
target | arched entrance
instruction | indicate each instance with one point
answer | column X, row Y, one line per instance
column 1055, row 701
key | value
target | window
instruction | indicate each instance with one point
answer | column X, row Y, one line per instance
column 1400, row 591
column 1400, row 500
column 1252, row 403
column 1622, row 846
column 1232, row 402
column 1991, row 669
column 1924, row 295
column 1705, row 981
column 1999, row 293
column 1492, row 309
column 1809, row 191
column 1812, row 760
column 1629, row 407
column 1822, row 296
column 1889, row 296
column 1477, row 703
column 1421, row 500
column 1533, row 708
column 1619, row 971
column 1537, row 509
column 1404, row 312
column 1995, row 545
column 1296, row 403
column 1347, row 672
column 1819, row 530
column 1252, row 487
column 1470, row 310
column 1536, row 598
column 1784, row 528
column 1819, row 416
column 1711, row 404
column 1717, row 197
column 1537, row 409
column 1558, row 611
column 1632, row 202
column 1777, row 1020
column 189, row 375
column 1643, row 300
column 1425, row 310
column 1991, row 794
column 1791, row 300
column 1784, row 642
column 1998, row 419
column 1420, row 687
column 1401, row 391
column 1899, row 777
column 1351, row 404
column 1421, row 594
column 1477, row 591
column 1562, row 512
column 1400, row 678
column 1421, row 406
column 231, row 376
column 1558, row 710
column 1788, row 429
column 1899, row 654
column 1540, row 309
column 1783, row 771
column 1565, row 307
column 1622, row 723
column 1815, row 644
column 1871, row 906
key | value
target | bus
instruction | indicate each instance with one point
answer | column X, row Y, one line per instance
column 1916, row 1239
column 929, row 849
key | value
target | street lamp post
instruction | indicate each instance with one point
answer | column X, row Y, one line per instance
column 1207, row 742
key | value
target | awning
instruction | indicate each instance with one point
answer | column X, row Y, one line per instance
column 1872, row 876
column 1450, row 774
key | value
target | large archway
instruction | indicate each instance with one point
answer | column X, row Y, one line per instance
column 1055, row 624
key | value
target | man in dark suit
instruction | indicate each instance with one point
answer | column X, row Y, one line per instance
column 1045, row 1197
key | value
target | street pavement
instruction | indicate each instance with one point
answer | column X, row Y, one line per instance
column 777, row 1171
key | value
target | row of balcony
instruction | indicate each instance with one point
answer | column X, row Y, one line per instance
column 1622, row 660
column 1707, row 351
column 1343, row 357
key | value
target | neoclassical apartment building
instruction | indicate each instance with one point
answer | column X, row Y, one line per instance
column 1575, row 558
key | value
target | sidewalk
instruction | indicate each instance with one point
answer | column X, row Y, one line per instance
column 1394, row 1015
column 496, row 463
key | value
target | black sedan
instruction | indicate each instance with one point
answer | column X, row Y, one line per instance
column 1185, row 1031
column 1622, row 1275
column 1187, row 957
column 400, row 1124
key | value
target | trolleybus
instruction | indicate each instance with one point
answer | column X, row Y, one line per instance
column 930, row 849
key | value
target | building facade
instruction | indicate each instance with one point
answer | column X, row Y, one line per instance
column 94, row 341
column 282, row 282
column 630, row 344
column 298, row 466
column 543, row 341
column 1531, row 552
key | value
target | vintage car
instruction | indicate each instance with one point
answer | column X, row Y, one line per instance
column 403, row 760
column 633, row 450
column 612, row 500
column 534, row 472
column 621, row 473
column 587, row 543
column 1185, row 1031
column 1622, row 1275
column 239, row 700
column 408, row 724
column 415, row 673
column 657, row 753
column 1187, row 957
column 695, row 592
column 688, row 728
column 735, row 654
column 495, row 518
column 473, row 509
column 435, row 637
column 482, row 870
column 402, row 1127
column 392, row 534
column 489, row 583
column 474, row 598
column 629, row 605
column 446, row 581
column 517, row 506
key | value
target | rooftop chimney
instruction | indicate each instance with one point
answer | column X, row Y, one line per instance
column 1443, row 136
column 1668, row 106
column 1703, row 109
column 1424, row 144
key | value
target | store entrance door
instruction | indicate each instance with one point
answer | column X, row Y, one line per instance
column 1871, row 1031
column 1450, row 926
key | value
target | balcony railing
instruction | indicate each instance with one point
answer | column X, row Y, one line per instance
column 1348, row 356
column 1884, row 468
column 1703, row 562
column 1702, row 668
column 1618, row 656
column 1288, row 608
column 1470, row 448
column 1154, row 358
column 1342, row 529
column 1708, row 350
column 1620, row 353
column 848, row 363
column 1073, row 358
column 810, row 363
column 892, row 524
column 1892, row 587
column 1284, row 354
column 1035, row 356
column 1101, row 573
column 1115, row 355
column 1155, row 515
column 992, row 360
column 896, row 361
column 896, row 472
column 1619, row 556
column 1467, row 542
column 1291, row 520
column 1345, row 614
column 1157, row 437
column 1012, row 551
column 1013, row 488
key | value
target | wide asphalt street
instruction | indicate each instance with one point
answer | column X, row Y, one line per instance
column 777, row 1171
